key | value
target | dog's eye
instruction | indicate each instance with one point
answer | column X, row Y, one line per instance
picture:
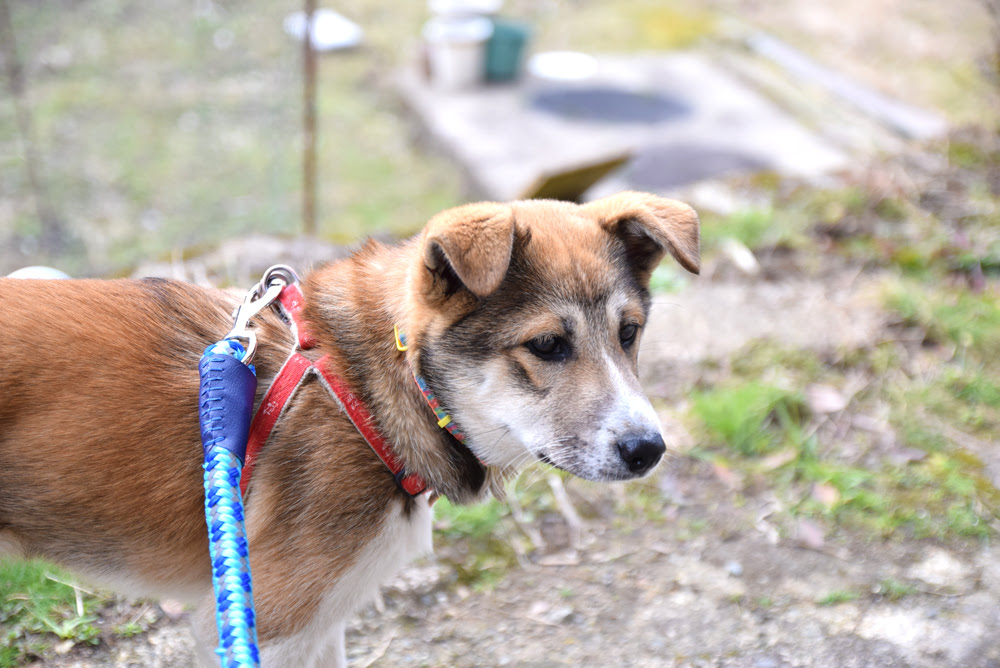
column 628, row 334
column 549, row 348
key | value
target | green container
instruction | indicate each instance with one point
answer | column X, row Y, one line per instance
column 505, row 49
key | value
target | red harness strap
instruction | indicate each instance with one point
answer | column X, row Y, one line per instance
column 292, row 302
column 273, row 406
column 288, row 380
column 412, row 484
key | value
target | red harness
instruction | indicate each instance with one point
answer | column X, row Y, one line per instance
column 291, row 376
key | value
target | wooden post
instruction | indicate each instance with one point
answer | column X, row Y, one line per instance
column 309, row 126
column 52, row 234
column 993, row 9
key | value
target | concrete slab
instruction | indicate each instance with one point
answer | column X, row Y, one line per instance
column 683, row 118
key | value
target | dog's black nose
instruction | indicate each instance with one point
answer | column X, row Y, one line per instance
column 641, row 453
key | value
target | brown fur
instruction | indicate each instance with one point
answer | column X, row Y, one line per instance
column 100, row 457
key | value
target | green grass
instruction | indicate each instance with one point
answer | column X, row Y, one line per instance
column 478, row 541
column 634, row 25
column 39, row 606
column 752, row 227
column 474, row 521
column 968, row 320
column 894, row 590
column 837, row 597
column 767, row 432
column 937, row 385
column 752, row 419
column 129, row 629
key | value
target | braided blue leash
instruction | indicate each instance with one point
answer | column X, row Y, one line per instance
column 226, row 408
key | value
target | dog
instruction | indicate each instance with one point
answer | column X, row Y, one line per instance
column 522, row 318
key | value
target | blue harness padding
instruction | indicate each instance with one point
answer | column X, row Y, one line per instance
column 226, row 409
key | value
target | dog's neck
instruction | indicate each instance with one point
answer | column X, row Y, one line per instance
column 351, row 309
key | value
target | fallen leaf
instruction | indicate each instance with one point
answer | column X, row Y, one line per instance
column 811, row 535
column 826, row 494
column 778, row 459
column 729, row 477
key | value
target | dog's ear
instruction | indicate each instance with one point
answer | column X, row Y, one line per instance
column 650, row 227
column 469, row 247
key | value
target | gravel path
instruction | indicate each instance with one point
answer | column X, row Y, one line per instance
column 710, row 584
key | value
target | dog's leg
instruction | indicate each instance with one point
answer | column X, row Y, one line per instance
column 205, row 633
column 319, row 645
column 10, row 547
column 335, row 655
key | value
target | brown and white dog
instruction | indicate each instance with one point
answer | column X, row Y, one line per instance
column 523, row 318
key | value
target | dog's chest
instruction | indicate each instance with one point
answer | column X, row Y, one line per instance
column 403, row 537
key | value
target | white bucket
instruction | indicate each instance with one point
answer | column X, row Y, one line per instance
column 456, row 50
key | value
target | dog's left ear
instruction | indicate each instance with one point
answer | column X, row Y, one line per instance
column 469, row 247
column 650, row 227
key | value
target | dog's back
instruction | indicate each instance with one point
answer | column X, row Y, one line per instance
column 77, row 344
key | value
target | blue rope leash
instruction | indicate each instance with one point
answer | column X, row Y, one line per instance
column 226, row 408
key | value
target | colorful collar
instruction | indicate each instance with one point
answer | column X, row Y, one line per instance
column 443, row 419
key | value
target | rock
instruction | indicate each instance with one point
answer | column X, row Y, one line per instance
column 172, row 608
column 64, row 647
column 559, row 615
column 941, row 569
column 823, row 399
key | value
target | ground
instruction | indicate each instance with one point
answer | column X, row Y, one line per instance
column 828, row 386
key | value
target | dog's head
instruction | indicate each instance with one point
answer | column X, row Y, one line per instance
column 527, row 325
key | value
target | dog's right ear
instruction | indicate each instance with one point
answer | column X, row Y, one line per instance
column 468, row 248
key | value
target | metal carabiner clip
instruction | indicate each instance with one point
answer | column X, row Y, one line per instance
column 261, row 296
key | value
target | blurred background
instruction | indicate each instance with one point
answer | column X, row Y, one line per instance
column 133, row 132
column 829, row 385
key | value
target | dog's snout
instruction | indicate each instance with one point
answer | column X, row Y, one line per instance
column 641, row 452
